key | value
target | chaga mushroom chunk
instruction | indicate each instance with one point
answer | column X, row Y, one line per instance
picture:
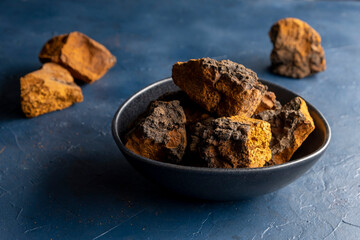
column 233, row 142
column 49, row 89
column 86, row 59
column 222, row 87
column 297, row 51
column 193, row 112
column 268, row 102
column 290, row 127
column 160, row 135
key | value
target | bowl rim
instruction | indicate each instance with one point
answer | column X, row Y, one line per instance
column 116, row 136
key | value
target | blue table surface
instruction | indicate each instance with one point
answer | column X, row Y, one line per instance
column 63, row 177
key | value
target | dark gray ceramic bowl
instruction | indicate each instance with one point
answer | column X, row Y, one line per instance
column 219, row 184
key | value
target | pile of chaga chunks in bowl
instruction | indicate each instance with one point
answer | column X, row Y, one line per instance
column 224, row 117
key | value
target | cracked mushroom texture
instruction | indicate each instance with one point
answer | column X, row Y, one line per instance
column 86, row 59
column 297, row 50
column 160, row 134
column 233, row 142
column 193, row 112
column 290, row 126
column 222, row 87
column 268, row 102
column 49, row 89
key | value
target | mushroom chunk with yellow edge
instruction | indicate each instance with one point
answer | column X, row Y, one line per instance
column 233, row 142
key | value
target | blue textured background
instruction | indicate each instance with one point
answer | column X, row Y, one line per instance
column 62, row 176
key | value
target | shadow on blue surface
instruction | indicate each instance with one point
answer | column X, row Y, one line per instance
column 98, row 179
column 93, row 176
column 75, row 191
column 10, row 93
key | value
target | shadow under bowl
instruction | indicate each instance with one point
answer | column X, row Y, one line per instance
column 216, row 183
